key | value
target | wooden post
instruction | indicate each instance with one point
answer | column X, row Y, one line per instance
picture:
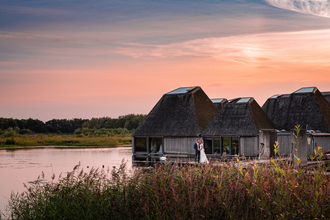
column 299, row 151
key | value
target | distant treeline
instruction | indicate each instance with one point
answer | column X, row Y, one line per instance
column 129, row 122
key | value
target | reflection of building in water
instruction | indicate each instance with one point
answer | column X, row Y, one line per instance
column 143, row 160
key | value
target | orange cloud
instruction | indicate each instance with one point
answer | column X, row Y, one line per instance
column 287, row 47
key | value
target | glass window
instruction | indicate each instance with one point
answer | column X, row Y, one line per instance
column 274, row 97
column 141, row 144
column 216, row 100
column 305, row 90
column 208, row 146
column 216, row 145
column 226, row 145
column 181, row 90
column 234, row 145
column 155, row 145
column 243, row 100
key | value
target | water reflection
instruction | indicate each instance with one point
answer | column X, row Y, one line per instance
column 144, row 160
column 23, row 166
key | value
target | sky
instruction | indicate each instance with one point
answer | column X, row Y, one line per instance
column 65, row 59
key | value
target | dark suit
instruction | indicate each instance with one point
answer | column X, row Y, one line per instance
column 197, row 152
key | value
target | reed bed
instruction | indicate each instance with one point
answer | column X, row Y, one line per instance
column 228, row 190
column 65, row 140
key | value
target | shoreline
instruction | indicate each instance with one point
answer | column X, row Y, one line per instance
column 61, row 146
column 28, row 141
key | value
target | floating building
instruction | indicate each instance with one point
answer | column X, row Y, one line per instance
column 175, row 122
column 306, row 107
column 236, row 127
column 241, row 127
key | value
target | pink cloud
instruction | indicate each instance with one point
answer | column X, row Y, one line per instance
column 287, row 47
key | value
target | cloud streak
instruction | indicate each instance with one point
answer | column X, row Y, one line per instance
column 318, row 7
column 254, row 49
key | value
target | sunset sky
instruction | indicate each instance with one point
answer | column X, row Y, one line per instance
column 106, row 58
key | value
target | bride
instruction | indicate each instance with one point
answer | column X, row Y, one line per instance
column 203, row 158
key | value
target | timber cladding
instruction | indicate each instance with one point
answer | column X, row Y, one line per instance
column 323, row 142
column 182, row 145
column 249, row 146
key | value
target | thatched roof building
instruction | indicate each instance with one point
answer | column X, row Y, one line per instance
column 175, row 122
column 306, row 107
column 240, row 127
column 239, row 117
column 182, row 112
column 219, row 103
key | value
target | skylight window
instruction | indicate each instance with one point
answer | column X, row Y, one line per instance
column 216, row 100
column 243, row 100
column 274, row 97
column 305, row 90
column 181, row 90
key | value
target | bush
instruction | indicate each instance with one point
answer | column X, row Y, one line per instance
column 25, row 131
column 10, row 141
column 78, row 131
column 10, row 132
column 85, row 131
column 122, row 131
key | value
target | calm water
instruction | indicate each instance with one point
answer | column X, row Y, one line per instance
column 22, row 166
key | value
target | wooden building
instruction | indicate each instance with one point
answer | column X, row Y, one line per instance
column 175, row 122
column 241, row 127
column 306, row 107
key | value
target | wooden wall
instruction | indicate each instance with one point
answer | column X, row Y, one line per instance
column 322, row 141
column 249, row 146
column 179, row 145
column 267, row 138
column 285, row 144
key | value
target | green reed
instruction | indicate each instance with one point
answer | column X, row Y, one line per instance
column 230, row 190
column 25, row 140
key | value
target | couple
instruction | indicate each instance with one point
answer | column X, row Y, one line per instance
column 200, row 155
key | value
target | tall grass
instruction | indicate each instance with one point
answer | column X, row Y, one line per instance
column 65, row 140
column 231, row 190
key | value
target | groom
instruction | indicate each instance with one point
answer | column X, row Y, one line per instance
column 197, row 151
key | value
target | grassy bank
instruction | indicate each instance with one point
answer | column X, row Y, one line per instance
column 213, row 191
column 64, row 140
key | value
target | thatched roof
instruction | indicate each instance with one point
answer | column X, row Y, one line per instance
column 239, row 117
column 326, row 96
column 273, row 105
column 219, row 103
column 306, row 107
column 182, row 112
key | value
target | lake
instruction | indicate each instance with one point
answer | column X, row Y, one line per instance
column 25, row 165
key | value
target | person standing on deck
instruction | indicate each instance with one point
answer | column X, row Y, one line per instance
column 197, row 151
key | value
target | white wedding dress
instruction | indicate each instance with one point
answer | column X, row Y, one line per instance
column 203, row 158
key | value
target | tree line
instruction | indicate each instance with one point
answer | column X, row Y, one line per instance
column 129, row 122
